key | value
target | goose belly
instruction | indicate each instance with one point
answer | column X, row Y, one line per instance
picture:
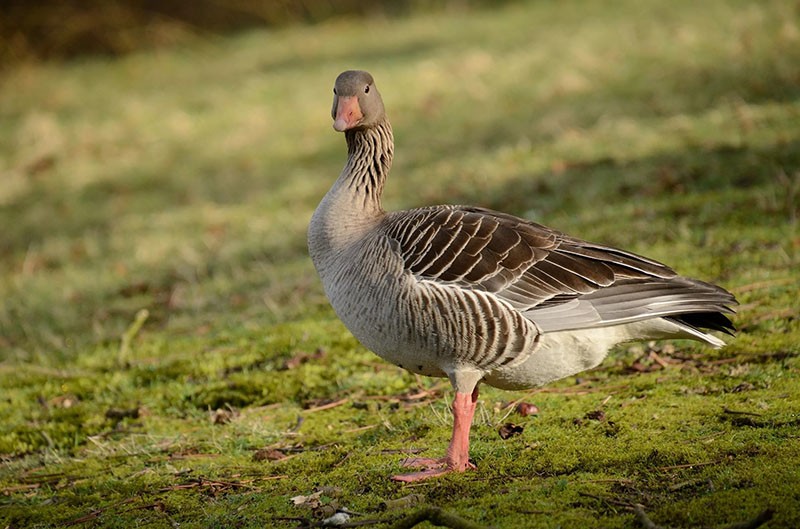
column 565, row 353
column 559, row 355
column 427, row 327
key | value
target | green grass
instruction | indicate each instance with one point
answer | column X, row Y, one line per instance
column 182, row 182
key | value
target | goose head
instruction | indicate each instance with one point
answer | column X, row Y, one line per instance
column 356, row 101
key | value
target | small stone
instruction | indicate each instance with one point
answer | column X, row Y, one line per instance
column 340, row 518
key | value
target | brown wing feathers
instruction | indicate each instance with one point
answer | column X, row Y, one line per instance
column 537, row 269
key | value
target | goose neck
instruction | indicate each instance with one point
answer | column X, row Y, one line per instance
column 370, row 152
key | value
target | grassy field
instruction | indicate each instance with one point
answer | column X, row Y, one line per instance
column 167, row 356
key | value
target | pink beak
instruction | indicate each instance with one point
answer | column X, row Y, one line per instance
column 348, row 113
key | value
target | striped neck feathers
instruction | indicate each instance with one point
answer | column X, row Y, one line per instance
column 369, row 158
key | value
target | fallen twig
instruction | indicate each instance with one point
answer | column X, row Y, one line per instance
column 762, row 518
column 361, row 428
column 328, row 405
column 690, row 465
column 208, row 483
column 436, row 516
column 643, row 519
column 96, row 513
column 758, row 521
column 623, row 481
column 93, row 515
column 657, row 359
column 305, row 522
column 690, row 483
column 403, row 450
column 401, row 503
column 7, row 491
column 423, row 394
column 737, row 412
column 647, row 523
column 610, row 501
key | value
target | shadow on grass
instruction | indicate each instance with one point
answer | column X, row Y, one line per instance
column 695, row 172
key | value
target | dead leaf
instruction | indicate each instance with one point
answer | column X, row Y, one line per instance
column 117, row 414
column 223, row 416
column 596, row 415
column 64, row 401
column 311, row 501
column 322, row 507
column 302, row 357
column 40, row 165
column 269, row 454
column 510, row 430
column 526, row 408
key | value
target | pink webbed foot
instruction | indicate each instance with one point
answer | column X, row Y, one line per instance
column 424, row 462
column 431, row 468
column 457, row 459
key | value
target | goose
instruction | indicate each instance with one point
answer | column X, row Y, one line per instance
column 479, row 296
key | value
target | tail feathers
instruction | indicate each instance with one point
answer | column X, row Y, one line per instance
column 695, row 323
column 714, row 321
column 691, row 307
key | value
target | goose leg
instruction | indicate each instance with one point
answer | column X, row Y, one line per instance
column 457, row 459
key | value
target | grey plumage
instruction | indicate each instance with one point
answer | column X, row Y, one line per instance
column 478, row 295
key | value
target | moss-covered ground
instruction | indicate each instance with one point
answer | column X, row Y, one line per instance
column 167, row 356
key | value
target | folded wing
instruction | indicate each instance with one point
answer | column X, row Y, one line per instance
column 556, row 281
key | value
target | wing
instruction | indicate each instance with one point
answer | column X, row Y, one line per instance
column 557, row 281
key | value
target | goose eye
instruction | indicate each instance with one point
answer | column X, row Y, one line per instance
column 334, row 91
column 366, row 89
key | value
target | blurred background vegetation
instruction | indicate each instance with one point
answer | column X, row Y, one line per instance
column 62, row 29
